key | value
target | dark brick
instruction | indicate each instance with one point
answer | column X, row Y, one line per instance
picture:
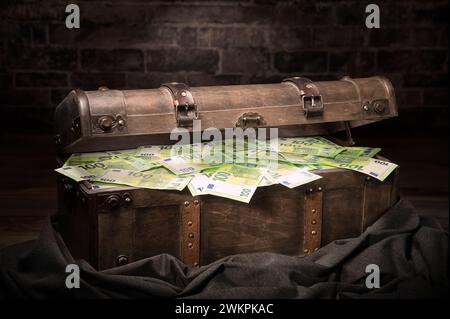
column 112, row 60
column 57, row 96
column 426, row 80
column 435, row 97
column 337, row 38
column 186, row 37
column 354, row 14
column 431, row 15
column 425, row 37
column 39, row 34
column 38, row 11
column 237, row 37
column 173, row 60
column 289, row 38
column 153, row 79
column 305, row 14
column 245, row 61
column 92, row 81
column 291, row 62
column 443, row 38
column 118, row 36
column 408, row 98
column 48, row 79
column 351, row 62
column 111, row 13
column 200, row 14
column 205, row 79
column 36, row 98
column 42, row 58
column 412, row 61
column 389, row 37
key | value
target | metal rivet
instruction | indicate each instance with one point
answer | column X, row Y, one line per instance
column 313, row 232
column 313, row 210
column 105, row 123
column 191, row 235
column 121, row 122
column 305, row 250
column 189, row 223
column 316, row 249
column 366, row 107
column 313, row 222
column 121, row 260
column 196, row 264
column 186, row 203
column 128, row 199
column 196, row 202
column 311, row 190
column 319, row 189
column 308, row 86
column 368, row 178
column 190, row 245
column 183, row 93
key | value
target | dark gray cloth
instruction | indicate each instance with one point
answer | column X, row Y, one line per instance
column 411, row 252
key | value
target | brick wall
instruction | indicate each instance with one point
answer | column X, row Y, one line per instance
column 141, row 44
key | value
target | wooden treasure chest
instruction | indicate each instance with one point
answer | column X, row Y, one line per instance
column 110, row 227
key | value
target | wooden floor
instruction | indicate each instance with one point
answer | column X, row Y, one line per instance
column 27, row 183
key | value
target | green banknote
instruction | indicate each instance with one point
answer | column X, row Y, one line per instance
column 129, row 163
column 359, row 151
column 85, row 158
column 199, row 182
column 158, row 178
column 163, row 151
column 123, row 153
column 76, row 173
column 373, row 167
column 234, row 182
column 184, row 164
column 290, row 176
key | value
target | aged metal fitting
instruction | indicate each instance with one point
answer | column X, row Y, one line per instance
column 191, row 235
column 190, row 245
column 313, row 210
column 127, row 198
column 306, row 250
column 379, row 107
column 196, row 264
column 122, row 260
column 311, row 190
column 319, row 189
column 313, row 232
column 196, row 202
column 190, row 223
column 113, row 202
column 183, row 93
column 313, row 222
column 105, row 123
column 121, row 122
column 368, row 178
column 187, row 203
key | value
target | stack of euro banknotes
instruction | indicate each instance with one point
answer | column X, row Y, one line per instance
column 232, row 169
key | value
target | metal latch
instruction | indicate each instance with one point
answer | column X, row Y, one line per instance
column 310, row 96
column 312, row 105
column 250, row 119
column 183, row 101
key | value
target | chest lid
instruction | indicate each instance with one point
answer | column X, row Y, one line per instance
column 106, row 119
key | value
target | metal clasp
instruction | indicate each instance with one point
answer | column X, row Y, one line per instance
column 312, row 105
column 250, row 119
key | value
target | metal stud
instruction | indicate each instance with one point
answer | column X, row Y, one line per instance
column 313, row 232
column 313, row 222
column 196, row 264
column 187, row 203
column 311, row 190
column 183, row 93
column 313, row 210
column 121, row 122
column 319, row 189
column 306, row 250
column 190, row 223
column 191, row 235
column 190, row 245
column 196, row 202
